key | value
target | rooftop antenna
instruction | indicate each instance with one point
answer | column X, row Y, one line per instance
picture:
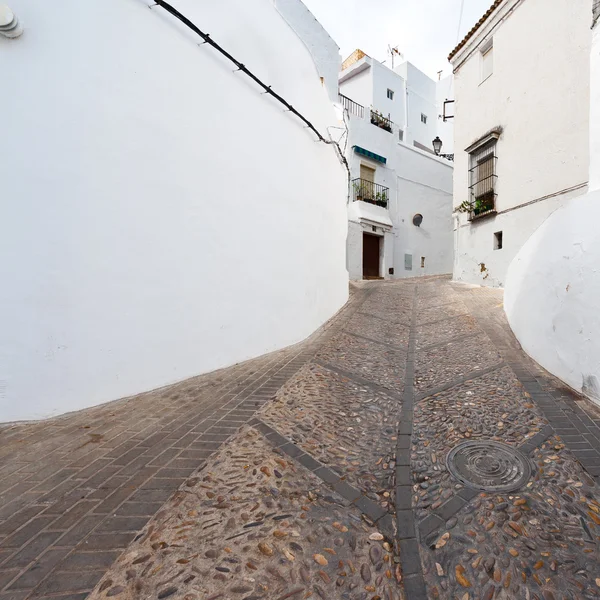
column 394, row 52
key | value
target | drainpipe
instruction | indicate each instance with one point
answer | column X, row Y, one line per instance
column 10, row 26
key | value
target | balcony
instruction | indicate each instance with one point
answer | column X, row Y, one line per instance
column 367, row 191
column 354, row 108
column 380, row 121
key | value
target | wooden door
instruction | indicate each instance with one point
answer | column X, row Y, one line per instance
column 367, row 173
column 367, row 181
column 370, row 256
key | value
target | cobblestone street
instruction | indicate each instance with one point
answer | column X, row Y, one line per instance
column 408, row 450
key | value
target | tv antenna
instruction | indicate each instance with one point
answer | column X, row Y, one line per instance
column 395, row 52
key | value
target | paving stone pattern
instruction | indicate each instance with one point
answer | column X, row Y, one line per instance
column 255, row 524
column 317, row 472
column 540, row 541
column 75, row 490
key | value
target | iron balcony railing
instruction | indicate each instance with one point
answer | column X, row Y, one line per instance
column 370, row 192
column 380, row 121
column 354, row 108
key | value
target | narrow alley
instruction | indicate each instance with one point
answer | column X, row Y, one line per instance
column 356, row 465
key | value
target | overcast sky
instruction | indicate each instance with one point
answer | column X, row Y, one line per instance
column 425, row 31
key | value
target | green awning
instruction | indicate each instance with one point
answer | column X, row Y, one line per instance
column 369, row 154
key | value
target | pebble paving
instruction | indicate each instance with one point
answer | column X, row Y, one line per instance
column 334, row 483
column 253, row 524
column 347, row 425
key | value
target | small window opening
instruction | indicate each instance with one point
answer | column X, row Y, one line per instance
column 390, row 94
column 422, row 262
column 487, row 60
column 401, row 135
column 424, row 118
column 498, row 240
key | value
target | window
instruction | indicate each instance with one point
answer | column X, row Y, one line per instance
column 487, row 61
column 498, row 240
column 482, row 177
column 422, row 262
column 390, row 94
column 401, row 135
column 423, row 118
column 408, row 262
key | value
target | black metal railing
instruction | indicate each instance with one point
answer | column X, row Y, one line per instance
column 354, row 108
column 367, row 191
column 380, row 121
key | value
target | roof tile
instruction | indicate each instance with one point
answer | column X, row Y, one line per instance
column 477, row 25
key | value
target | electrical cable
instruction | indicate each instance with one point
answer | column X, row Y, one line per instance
column 241, row 67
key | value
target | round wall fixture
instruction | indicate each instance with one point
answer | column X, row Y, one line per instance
column 418, row 219
column 9, row 23
column 488, row 466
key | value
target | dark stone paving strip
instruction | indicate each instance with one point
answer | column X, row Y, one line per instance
column 447, row 318
column 537, row 440
column 561, row 406
column 366, row 382
column 370, row 339
column 460, row 381
column 458, row 338
column 408, row 537
column 101, row 503
column 369, row 508
column 391, row 321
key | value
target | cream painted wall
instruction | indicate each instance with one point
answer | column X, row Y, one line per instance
column 539, row 94
column 161, row 217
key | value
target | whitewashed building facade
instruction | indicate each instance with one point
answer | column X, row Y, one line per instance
column 553, row 284
column 400, row 205
column 521, row 90
column 162, row 216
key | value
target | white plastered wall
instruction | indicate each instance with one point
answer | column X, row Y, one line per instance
column 161, row 217
column 553, row 286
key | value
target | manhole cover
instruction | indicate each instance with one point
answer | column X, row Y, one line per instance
column 488, row 466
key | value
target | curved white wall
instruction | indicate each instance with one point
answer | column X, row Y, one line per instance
column 552, row 294
column 160, row 217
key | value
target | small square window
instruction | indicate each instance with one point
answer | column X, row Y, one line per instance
column 422, row 262
column 423, row 118
column 390, row 94
column 498, row 240
column 487, row 60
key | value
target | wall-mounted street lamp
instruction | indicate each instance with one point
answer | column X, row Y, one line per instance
column 437, row 149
